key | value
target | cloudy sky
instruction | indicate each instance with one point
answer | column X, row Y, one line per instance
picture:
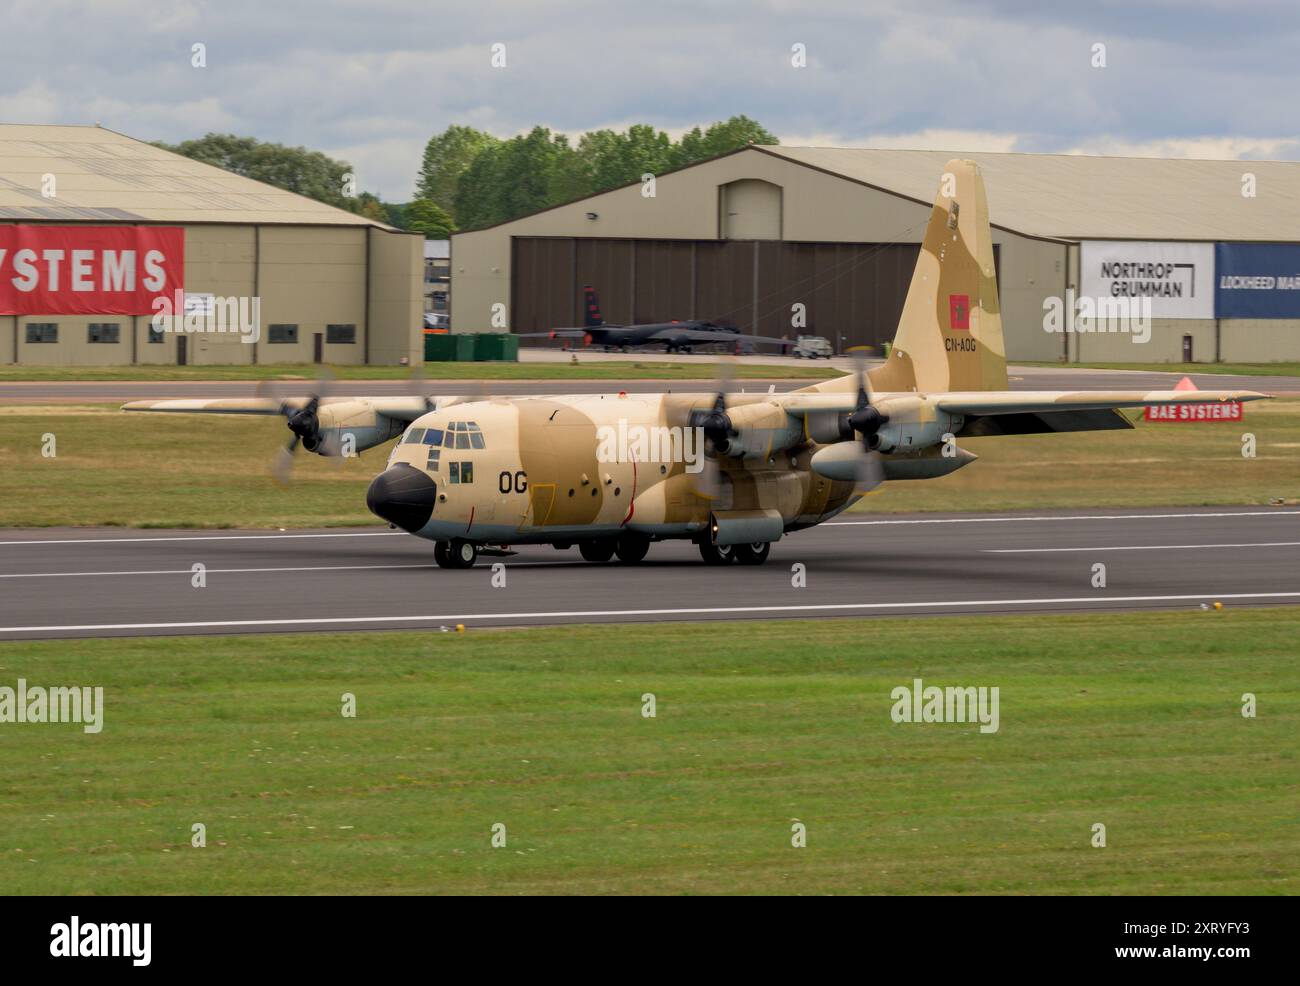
column 370, row 81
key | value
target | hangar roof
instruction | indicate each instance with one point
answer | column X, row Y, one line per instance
column 104, row 176
column 1075, row 196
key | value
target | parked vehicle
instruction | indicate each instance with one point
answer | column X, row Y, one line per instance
column 813, row 347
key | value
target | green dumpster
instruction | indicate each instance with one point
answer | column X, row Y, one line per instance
column 496, row 346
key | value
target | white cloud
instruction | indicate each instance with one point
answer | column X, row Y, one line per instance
column 372, row 83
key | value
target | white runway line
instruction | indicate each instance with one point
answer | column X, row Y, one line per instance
column 596, row 613
column 1140, row 547
column 209, row 571
column 205, row 537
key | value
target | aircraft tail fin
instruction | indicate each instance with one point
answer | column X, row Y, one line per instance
column 591, row 317
column 950, row 333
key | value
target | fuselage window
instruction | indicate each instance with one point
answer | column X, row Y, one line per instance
column 467, row 472
column 433, row 459
column 414, row 436
column 453, row 472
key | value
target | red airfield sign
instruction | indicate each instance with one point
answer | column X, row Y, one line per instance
column 89, row 270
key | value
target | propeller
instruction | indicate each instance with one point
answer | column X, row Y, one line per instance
column 304, row 422
column 866, row 420
column 715, row 425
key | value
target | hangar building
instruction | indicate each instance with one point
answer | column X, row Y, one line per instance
column 334, row 287
column 746, row 236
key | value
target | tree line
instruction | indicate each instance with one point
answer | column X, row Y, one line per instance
column 469, row 179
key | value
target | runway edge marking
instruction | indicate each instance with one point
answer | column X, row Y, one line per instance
column 701, row 611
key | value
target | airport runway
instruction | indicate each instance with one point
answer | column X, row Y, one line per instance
column 89, row 583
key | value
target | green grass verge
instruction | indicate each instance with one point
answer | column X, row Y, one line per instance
column 1128, row 720
column 589, row 368
column 1229, row 369
column 193, row 471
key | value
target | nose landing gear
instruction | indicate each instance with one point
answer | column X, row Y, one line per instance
column 456, row 553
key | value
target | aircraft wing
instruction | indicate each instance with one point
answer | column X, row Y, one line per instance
column 555, row 334
column 712, row 335
column 981, row 403
column 397, row 408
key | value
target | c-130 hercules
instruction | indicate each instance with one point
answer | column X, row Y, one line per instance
column 733, row 473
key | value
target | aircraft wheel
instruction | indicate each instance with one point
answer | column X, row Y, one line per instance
column 632, row 548
column 717, row 554
column 596, row 550
column 457, row 553
column 753, row 554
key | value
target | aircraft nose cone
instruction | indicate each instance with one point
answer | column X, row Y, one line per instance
column 403, row 495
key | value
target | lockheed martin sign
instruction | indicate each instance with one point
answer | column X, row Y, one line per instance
column 1257, row 280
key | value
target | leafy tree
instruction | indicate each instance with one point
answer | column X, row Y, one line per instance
column 295, row 169
column 514, row 177
column 446, row 157
column 427, row 217
column 613, row 159
column 518, row 176
column 719, row 138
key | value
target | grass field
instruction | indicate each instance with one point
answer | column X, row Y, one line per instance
column 588, row 368
column 1130, row 720
column 1230, row 369
column 195, row 471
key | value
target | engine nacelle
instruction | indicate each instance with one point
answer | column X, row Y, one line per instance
column 913, row 424
column 357, row 419
column 762, row 429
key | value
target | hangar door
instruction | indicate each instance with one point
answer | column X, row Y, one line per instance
column 852, row 293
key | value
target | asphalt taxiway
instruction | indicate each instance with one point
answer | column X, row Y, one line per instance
column 89, row 583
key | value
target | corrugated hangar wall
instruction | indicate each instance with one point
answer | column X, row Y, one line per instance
column 637, row 253
column 852, row 292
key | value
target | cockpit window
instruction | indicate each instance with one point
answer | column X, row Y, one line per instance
column 414, row 436
column 433, row 436
column 476, row 440
column 462, row 440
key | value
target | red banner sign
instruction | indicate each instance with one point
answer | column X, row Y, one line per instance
column 1220, row 411
column 89, row 270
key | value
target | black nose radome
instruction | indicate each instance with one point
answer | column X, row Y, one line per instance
column 403, row 495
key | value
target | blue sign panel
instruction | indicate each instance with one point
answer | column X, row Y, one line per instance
column 1257, row 280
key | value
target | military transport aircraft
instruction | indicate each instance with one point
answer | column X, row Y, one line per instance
column 612, row 473
column 674, row 336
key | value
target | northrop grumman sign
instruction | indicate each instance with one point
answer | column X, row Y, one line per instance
column 1177, row 277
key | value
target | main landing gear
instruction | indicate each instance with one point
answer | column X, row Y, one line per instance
column 630, row 548
column 725, row 554
column 456, row 553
